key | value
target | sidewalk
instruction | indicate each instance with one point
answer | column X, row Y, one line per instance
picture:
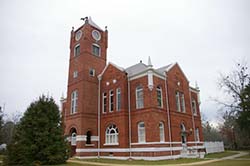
column 183, row 164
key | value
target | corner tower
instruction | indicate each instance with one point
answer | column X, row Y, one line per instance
column 88, row 53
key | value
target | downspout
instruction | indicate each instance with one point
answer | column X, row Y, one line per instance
column 99, row 95
column 192, row 118
column 129, row 120
column 169, row 128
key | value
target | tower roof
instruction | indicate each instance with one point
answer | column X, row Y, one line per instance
column 92, row 23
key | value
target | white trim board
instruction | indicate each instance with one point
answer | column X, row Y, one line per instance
column 133, row 157
column 150, row 149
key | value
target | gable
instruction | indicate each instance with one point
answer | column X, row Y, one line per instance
column 176, row 69
column 111, row 70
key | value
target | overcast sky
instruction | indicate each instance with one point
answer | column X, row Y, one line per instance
column 204, row 37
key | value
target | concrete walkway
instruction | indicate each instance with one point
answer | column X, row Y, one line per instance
column 183, row 164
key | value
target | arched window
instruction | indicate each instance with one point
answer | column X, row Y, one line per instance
column 88, row 139
column 197, row 134
column 141, row 132
column 73, row 134
column 183, row 134
column 183, row 108
column 162, row 133
column 194, row 107
column 73, row 139
column 139, row 97
column 177, row 100
column 74, row 100
column 112, row 134
column 159, row 96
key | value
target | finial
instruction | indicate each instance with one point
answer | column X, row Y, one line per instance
column 106, row 28
column 196, row 85
column 149, row 62
column 84, row 19
column 140, row 61
column 72, row 28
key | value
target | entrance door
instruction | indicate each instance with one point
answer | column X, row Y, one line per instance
column 183, row 136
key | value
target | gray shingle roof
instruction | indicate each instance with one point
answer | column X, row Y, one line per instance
column 164, row 68
column 136, row 69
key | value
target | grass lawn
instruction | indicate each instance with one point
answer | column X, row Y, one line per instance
column 220, row 155
column 229, row 163
column 143, row 162
column 71, row 164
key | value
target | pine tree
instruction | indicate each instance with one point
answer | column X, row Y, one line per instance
column 1, row 126
column 39, row 136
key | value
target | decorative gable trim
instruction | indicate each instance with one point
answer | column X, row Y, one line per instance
column 176, row 64
column 114, row 65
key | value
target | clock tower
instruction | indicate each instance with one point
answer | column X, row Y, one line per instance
column 88, row 53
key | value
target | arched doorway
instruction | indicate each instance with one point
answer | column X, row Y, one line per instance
column 183, row 135
column 73, row 134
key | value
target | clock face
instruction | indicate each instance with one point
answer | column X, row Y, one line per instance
column 96, row 35
column 78, row 35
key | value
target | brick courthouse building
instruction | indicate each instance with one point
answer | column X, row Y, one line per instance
column 139, row 112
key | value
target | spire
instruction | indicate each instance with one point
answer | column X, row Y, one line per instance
column 149, row 62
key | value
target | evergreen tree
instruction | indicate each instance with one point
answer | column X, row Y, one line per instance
column 39, row 136
column 1, row 125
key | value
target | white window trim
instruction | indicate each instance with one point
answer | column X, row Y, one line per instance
column 114, row 136
column 197, row 135
column 183, row 107
column 75, row 74
column 111, row 95
column 99, row 53
column 118, row 92
column 73, row 139
column 103, row 97
column 137, row 90
column 74, row 102
column 194, row 109
column 141, row 138
column 177, row 100
column 75, row 49
column 158, row 88
column 162, row 135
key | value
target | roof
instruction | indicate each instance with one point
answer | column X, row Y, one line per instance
column 136, row 69
column 110, row 63
column 166, row 68
column 92, row 23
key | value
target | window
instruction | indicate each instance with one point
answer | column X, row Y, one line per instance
column 141, row 132
column 177, row 99
column 104, row 102
column 183, row 134
column 88, row 139
column 74, row 99
column 162, row 133
column 139, row 97
column 159, row 96
column 118, row 99
column 111, row 101
column 112, row 135
column 92, row 72
column 96, row 50
column 197, row 134
column 194, row 107
column 73, row 139
column 183, row 108
column 77, row 50
column 75, row 74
